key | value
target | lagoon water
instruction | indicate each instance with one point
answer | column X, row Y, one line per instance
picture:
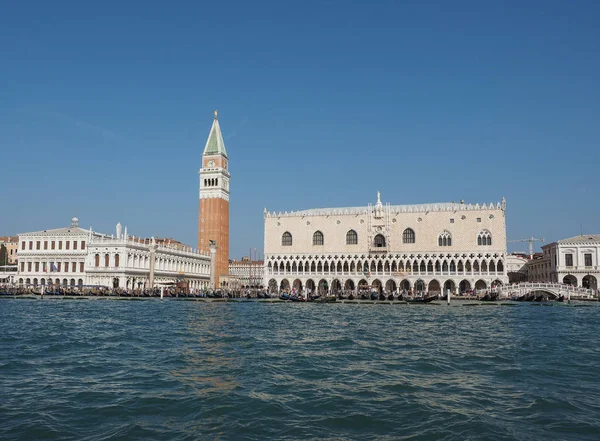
column 179, row 370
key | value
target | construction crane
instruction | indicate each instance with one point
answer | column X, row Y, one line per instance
column 530, row 240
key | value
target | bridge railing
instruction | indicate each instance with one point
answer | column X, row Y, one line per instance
column 561, row 288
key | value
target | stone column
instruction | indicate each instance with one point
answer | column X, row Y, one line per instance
column 152, row 249
column 213, row 263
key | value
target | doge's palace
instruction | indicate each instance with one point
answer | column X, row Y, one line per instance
column 427, row 247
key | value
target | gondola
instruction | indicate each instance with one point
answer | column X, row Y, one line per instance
column 325, row 299
column 488, row 297
column 52, row 293
column 284, row 297
column 390, row 297
column 422, row 299
column 382, row 297
column 374, row 296
column 297, row 298
column 351, row 296
column 560, row 298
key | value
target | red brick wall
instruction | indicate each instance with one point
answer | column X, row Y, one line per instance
column 213, row 224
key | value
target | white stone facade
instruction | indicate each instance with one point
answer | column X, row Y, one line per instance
column 249, row 273
column 516, row 268
column 574, row 261
column 76, row 257
column 54, row 256
column 454, row 246
column 125, row 263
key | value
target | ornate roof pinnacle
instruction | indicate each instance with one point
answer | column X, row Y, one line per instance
column 216, row 114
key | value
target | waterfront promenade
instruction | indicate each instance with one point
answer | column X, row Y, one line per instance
column 457, row 301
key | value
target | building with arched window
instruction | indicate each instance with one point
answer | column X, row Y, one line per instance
column 572, row 261
column 74, row 257
column 386, row 247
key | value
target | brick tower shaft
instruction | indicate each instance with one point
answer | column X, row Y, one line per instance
column 213, row 216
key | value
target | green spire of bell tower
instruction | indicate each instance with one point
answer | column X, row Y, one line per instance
column 215, row 144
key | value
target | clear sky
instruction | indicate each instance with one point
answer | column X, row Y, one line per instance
column 105, row 109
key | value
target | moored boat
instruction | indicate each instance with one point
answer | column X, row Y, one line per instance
column 422, row 299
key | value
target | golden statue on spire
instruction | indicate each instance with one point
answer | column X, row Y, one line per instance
column 216, row 114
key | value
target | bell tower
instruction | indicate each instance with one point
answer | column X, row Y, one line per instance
column 213, row 219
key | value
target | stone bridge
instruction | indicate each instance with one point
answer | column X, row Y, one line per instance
column 554, row 289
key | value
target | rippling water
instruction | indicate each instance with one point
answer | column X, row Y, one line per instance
column 177, row 370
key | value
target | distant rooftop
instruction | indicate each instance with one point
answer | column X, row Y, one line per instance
column 581, row 239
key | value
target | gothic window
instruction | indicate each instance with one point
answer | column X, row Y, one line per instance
column 117, row 260
column 318, row 238
column 408, row 236
column 286, row 239
column 379, row 241
column 106, row 260
column 484, row 238
column 445, row 239
column 97, row 260
column 351, row 238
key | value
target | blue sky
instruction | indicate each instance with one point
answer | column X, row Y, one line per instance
column 105, row 110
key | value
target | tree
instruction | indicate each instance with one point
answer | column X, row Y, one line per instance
column 3, row 255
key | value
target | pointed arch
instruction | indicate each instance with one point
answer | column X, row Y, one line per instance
column 445, row 239
column 379, row 241
column 351, row 237
column 484, row 238
column 318, row 238
column 408, row 236
column 286, row 239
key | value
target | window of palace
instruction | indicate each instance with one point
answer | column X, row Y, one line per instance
column 484, row 238
column 588, row 259
column 379, row 241
column 445, row 239
column 408, row 236
column 351, row 238
column 318, row 238
column 286, row 239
